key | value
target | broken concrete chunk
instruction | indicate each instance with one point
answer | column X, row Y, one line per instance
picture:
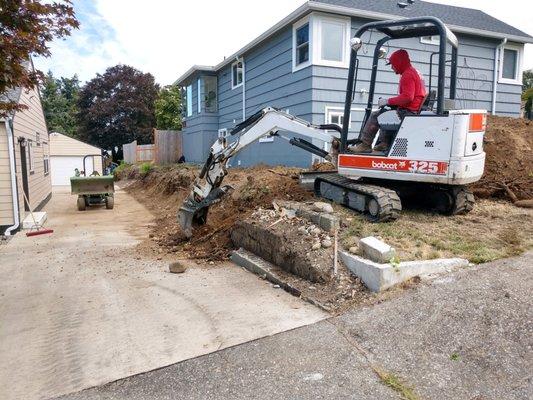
column 353, row 250
column 177, row 267
column 320, row 206
column 316, row 246
column 376, row 250
column 326, row 243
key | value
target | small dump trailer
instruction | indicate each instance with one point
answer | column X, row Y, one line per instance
column 94, row 189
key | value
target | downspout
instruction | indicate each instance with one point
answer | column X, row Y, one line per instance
column 14, row 194
column 497, row 52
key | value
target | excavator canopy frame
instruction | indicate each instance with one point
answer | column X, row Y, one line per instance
column 401, row 29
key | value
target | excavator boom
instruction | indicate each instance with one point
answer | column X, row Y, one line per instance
column 207, row 188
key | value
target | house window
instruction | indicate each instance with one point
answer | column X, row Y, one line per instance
column 321, row 40
column 435, row 40
column 237, row 73
column 301, row 44
column 189, row 100
column 30, row 156
column 199, row 87
column 46, row 164
column 210, row 93
column 510, row 65
column 335, row 115
column 334, row 34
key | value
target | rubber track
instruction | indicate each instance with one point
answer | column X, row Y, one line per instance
column 463, row 201
column 390, row 205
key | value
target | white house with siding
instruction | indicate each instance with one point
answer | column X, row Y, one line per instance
column 301, row 65
column 24, row 160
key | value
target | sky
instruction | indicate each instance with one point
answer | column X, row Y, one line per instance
column 166, row 37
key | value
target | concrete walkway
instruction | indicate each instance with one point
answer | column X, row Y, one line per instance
column 467, row 336
column 81, row 307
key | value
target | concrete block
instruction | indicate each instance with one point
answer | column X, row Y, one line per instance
column 329, row 222
column 376, row 250
column 323, row 207
column 378, row 277
column 40, row 219
column 258, row 266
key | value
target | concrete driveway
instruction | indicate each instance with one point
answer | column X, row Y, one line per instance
column 82, row 307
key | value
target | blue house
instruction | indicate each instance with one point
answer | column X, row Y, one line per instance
column 301, row 65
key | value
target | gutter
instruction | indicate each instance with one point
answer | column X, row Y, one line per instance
column 14, row 193
column 497, row 52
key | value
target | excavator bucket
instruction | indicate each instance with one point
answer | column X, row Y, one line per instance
column 195, row 213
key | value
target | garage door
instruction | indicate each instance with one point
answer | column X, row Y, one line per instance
column 62, row 168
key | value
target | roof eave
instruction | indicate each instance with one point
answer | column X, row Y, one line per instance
column 354, row 12
column 191, row 71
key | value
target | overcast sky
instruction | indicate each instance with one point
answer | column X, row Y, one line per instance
column 166, row 37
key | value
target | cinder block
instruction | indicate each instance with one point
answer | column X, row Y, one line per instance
column 329, row 222
column 378, row 277
column 376, row 250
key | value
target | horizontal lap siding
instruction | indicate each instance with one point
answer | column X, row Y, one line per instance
column 269, row 82
column 6, row 200
column 474, row 83
column 27, row 124
column 200, row 130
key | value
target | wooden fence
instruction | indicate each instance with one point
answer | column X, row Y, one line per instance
column 167, row 149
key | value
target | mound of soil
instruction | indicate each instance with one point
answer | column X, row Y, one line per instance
column 509, row 162
column 163, row 190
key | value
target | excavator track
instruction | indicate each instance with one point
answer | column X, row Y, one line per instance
column 379, row 203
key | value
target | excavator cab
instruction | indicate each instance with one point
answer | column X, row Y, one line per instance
column 394, row 30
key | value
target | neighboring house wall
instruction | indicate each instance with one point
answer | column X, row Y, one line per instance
column 6, row 201
column 29, row 124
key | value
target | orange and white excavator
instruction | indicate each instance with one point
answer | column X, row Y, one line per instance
column 433, row 154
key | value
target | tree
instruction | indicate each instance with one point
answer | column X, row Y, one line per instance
column 117, row 107
column 60, row 106
column 168, row 108
column 527, row 80
column 26, row 29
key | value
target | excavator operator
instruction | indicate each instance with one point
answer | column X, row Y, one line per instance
column 412, row 92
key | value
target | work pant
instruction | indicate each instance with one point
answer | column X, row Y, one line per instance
column 372, row 126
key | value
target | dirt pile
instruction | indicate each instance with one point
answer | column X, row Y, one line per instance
column 509, row 162
column 163, row 190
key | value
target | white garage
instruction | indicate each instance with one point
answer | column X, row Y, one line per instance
column 66, row 154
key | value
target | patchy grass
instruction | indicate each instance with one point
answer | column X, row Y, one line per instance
column 395, row 383
column 493, row 230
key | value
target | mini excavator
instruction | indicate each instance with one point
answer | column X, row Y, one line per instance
column 434, row 153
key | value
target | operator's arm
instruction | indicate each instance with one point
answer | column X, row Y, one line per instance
column 407, row 92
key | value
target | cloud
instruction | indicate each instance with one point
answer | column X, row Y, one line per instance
column 167, row 37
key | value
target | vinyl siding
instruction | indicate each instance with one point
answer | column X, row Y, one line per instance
column 26, row 124
column 6, row 201
column 269, row 81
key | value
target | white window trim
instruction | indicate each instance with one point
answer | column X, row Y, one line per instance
column 519, row 61
column 199, row 88
column 315, row 44
column 329, row 110
column 295, row 27
column 189, row 101
column 318, row 19
column 433, row 40
column 233, row 86
column 31, row 156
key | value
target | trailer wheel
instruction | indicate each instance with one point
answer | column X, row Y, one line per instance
column 109, row 202
column 81, row 203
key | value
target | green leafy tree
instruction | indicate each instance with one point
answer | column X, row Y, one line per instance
column 117, row 107
column 26, row 29
column 168, row 108
column 527, row 80
column 60, row 98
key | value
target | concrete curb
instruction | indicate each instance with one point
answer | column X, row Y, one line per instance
column 378, row 277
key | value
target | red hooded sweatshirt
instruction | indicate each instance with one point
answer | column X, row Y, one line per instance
column 412, row 89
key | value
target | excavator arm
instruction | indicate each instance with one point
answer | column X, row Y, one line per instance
column 207, row 188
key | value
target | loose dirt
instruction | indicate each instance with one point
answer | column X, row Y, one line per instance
column 509, row 147
column 163, row 190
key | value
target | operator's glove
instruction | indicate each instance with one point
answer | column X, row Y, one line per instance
column 382, row 102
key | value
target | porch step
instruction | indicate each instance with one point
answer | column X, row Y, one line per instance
column 40, row 219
